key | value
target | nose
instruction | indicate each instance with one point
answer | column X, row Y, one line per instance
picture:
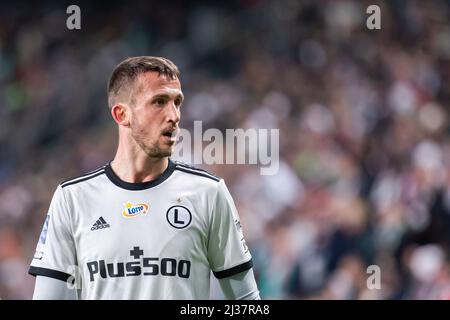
column 173, row 113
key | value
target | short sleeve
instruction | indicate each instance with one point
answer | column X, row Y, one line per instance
column 228, row 253
column 55, row 255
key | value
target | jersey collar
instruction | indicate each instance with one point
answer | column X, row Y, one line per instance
column 139, row 185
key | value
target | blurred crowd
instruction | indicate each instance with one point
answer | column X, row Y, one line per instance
column 364, row 176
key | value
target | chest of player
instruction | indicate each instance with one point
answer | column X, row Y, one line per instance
column 140, row 226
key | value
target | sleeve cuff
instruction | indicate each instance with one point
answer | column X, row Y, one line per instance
column 38, row 271
column 235, row 270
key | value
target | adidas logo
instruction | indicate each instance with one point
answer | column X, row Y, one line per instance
column 100, row 224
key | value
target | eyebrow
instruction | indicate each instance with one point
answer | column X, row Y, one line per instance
column 166, row 96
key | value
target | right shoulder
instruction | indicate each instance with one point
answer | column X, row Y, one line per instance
column 84, row 177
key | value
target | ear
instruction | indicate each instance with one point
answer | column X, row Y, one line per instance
column 121, row 114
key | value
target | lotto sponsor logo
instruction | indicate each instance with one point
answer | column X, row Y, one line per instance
column 133, row 210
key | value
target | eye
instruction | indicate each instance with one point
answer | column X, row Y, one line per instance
column 178, row 102
column 160, row 101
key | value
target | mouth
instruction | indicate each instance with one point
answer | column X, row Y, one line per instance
column 170, row 134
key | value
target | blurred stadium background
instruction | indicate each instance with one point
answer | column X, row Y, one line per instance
column 363, row 115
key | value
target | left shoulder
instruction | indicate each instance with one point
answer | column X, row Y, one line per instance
column 191, row 170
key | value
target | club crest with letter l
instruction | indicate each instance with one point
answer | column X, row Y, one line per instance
column 179, row 217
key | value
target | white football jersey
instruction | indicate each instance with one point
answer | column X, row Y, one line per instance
column 151, row 240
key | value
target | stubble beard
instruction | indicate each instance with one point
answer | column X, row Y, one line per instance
column 153, row 150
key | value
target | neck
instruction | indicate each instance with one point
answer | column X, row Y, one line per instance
column 135, row 166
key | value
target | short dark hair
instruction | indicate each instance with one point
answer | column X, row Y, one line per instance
column 128, row 70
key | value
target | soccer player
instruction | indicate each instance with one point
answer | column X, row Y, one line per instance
column 143, row 226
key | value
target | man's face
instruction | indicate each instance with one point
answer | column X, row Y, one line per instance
column 155, row 114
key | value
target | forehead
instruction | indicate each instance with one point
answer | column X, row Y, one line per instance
column 151, row 83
